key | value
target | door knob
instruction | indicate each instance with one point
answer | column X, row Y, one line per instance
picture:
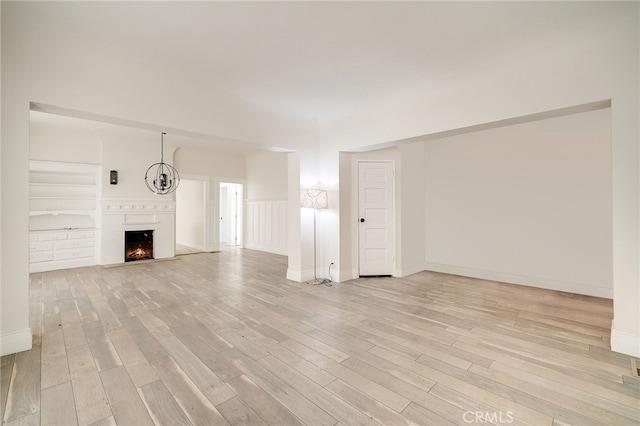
column 362, row 219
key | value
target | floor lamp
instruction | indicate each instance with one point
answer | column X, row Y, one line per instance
column 315, row 199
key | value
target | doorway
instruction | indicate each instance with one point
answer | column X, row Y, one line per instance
column 376, row 237
column 192, row 206
column 231, row 214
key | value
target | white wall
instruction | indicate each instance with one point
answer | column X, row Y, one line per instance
column 295, row 264
column 267, row 181
column 131, row 158
column 66, row 144
column 410, row 214
column 267, row 226
column 190, row 207
column 529, row 204
column 266, row 175
column 210, row 162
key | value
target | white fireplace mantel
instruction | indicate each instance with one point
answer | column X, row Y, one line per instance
column 119, row 215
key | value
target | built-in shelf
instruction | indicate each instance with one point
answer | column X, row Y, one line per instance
column 56, row 212
column 64, row 214
column 90, row 185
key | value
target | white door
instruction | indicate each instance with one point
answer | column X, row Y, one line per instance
column 224, row 214
column 231, row 219
column 375, row 218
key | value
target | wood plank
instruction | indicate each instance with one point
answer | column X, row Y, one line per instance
column 126, row 405
column 402, row 388
column 365, row 385
column 139, row 369
column 6, row 367
column 109, row 421
column 291, row 399
column 85, row 309
column 55, row 368
column 23, row 395
column 163, row 408
column 89, row 395
column 570, row 398
column 50, row 315
column 28, row 420
column 453, row 405
column 192, row 401
column 315, row 344
column 74, row 336
column 70, row 316
column 500, row 402
column 144, row 339
column 326, row 400
column 569, row 375
column 396, row 371
column 103, row 351
column 262, row 403
column 240, row 342
column 421, row 415
column 198, row 339
column 301, row 365
column 381, row 413
column 57, row 405
column 336, row 339
column 210, row 385
column 152, row 323
column 238, row 413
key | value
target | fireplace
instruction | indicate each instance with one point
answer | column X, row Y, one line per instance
column 138, row 245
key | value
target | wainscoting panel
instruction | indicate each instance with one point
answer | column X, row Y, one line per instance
column 267, row 226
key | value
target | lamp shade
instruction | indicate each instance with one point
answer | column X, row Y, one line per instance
column 314, row 199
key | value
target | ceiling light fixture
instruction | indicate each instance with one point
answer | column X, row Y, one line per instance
column 162, row 178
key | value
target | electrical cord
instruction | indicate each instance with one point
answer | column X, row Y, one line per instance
column 323, row 281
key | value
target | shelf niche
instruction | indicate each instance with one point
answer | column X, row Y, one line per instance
column 63, row 197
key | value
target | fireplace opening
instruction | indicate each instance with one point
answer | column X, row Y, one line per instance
column 138, row 245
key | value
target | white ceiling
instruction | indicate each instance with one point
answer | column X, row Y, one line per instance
column 317, row 60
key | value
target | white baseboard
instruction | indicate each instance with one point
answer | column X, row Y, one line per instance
column 307, row 275
column 269, row 249
column 192, row 245
column 340, row 275
column 405, row 272
column 522, row 280
column 304, row 276
column 15, row 341
column 294, row 275
column 625, row 343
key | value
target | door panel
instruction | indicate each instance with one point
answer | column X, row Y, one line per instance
column 375, row 207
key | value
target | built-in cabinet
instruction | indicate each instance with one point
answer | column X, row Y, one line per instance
column 50, row 250
column 63, row 215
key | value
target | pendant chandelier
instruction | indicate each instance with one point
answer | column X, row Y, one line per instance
column 162, row 178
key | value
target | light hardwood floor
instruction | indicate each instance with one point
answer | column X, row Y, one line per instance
column 219, row 338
